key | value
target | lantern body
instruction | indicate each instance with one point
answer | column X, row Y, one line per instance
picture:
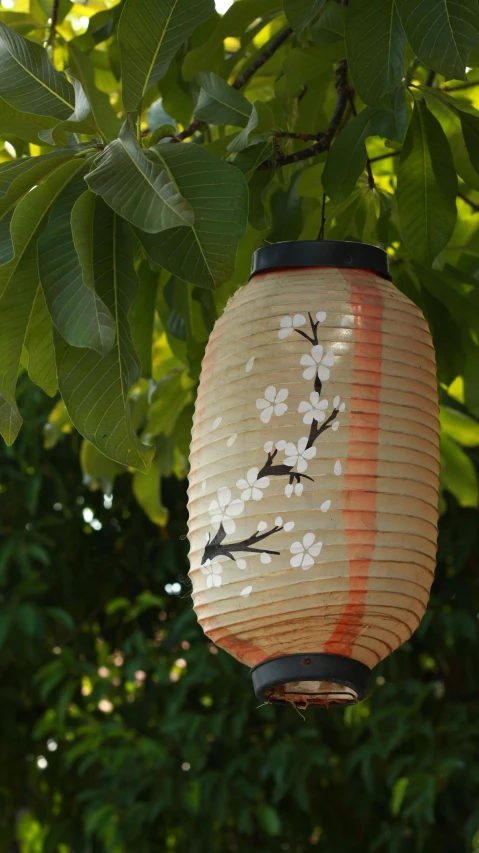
column 314, row 474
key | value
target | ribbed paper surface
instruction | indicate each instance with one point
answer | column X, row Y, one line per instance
column 314, row 469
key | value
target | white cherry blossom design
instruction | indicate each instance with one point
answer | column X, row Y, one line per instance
column 298, row 455
column 338, row 405
column 304, row 552
column 321, row 316
column 213, row 573
column 297, row 489
column 287, row 324
column 253, row 488
column 317, row 363
column 314, row 410
column 272, row 403
column 223, row 510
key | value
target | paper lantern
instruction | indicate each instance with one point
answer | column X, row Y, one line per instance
column 314, row 472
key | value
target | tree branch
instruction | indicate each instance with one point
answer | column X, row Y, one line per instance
column 384, row 156
column 472, row 204
column 468, row 85
column 245, row 77
column 326, row 137
column 53, row 23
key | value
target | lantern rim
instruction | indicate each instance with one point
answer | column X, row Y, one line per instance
column 342, row 254
column 329, row 679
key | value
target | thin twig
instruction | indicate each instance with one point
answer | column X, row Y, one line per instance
column 245, row 77
column 472, row 204
column 384, row 156
column 323, row 218
column 459, row 86
column 431, row 76
column 326, row 136
column 53, row 23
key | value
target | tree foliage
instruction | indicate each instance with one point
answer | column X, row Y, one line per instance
column 147, row 148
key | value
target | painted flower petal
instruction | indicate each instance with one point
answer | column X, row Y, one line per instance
column 216, row 568
column 281, row 395
column 323, row 373
column 315, row 549
column 318, row 416
column 302, row 443
column 262, row 404
column 291, row 460
column 299, row 320
column 286, row 322
column 213, row 506
column 336, row 402
column 241, row 563
column 314, row 397
column 325, row 506
column 242, row 484
column 298, row 489
column 297, row 548
column 229, row 525
column 217, row 519
column 308, row 539
column 309, row 453
column 304, row 406
column 281, row 444
column 307, row 561
column 283, row 333
column 309, row 417
column 290, row 449
column 245, row 496
column 205, row 570
column 301, row 465
column 307, row 360
column 321, row 316
column 216, row 580
column 323, row 404
column 288, row 490
column 337, row 467
column 328, row 359
column 224, row 496
column 288, row 526
column 309, row 372
column 266, row 415
column 252, row 475
column 295, row 561
column 209, row 581
column 257, row 494
column 270, row 393
column 235, row 508
column 280, row 409
column 262, row 483
column 262, row 526
column 335, row 426
column 317, row 353
column 265, row 558
column 278, row 522
column 246, row 591
column 268, row 447
column 342, row 407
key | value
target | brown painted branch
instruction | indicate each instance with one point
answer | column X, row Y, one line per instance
column 327, row 136
column 472, row 204
column 53, row 23
column 245, row 77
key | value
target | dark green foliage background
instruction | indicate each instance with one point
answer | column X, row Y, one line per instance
column 397, row 773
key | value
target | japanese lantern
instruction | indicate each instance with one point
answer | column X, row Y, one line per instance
column 314, row 472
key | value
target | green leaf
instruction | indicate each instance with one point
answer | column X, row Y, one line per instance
column 147, row 491
column 10, row 421
column 150, row 33
column 398, row 793
column 22, row 22
column 460, row 427
column 142, row 315
column 95, row 388
column 39, row 349
column 16, row 179
column 203, row 254
column 300, row 13
column 375, row 44
column 167, row 403
column 77, row 312
column 76, row 122
column 426, row 188
column 470, row 131
column 269, row 819
column 138, row 185
column 458, row 474
column 347, row 157
column 103, row 113
column 471, row 385
column 261, row 120
column 25, row 125
column 441, row 32
column 218, row 103
column 305, row 64
column 28, row 80
column 19, row 278
column 330, row 27
column 99, row 472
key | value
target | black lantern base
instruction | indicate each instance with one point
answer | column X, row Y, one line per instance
column 310, row 679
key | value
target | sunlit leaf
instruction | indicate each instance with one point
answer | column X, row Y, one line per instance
column 441, row 32
column 147, row 491
column 458, row 474
column 103, row 114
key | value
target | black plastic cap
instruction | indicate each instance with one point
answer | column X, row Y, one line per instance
column 328, row 671
column 343, row 254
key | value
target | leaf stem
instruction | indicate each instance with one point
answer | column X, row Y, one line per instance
column 53, row 24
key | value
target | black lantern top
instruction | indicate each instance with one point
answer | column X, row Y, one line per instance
column 321, row 253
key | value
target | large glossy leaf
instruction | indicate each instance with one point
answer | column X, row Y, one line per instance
column 459, row 426
column 147, row 491
column 218, row 103
column 77, row 122
column 77, row 312
column 10, row 421
column 347, row 158
column 95, row 388
column 28, row 80
column 203, row 254
column 142, row 316
column 441, row 32
column 375, row 44
column 458, row 474
column 19, row 278
column 150, row 33
column 39, row 353
column 102, row 111
column 25, row 125
column 16, row 179
column 427, row 187
column 139, row 186
column 304, row 64
column 300, row 13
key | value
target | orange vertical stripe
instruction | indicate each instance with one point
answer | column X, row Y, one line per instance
column 360, row 525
